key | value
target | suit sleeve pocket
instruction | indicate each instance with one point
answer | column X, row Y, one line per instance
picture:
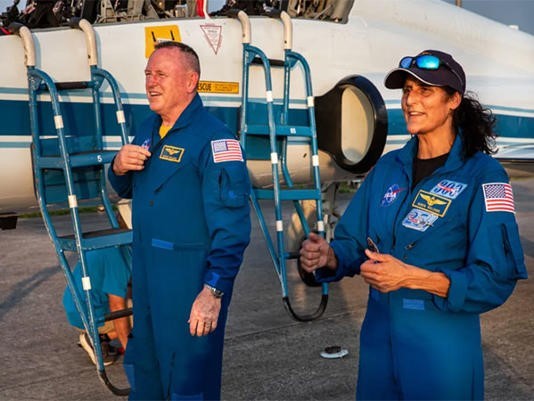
column 234, row 185
column 513, row 251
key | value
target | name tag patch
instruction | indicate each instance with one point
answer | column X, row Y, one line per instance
column 449, row 189
column 431, row 203
column 419, row 220
column 414, row 304
column 172, row 153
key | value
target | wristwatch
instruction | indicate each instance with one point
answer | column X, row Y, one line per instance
column 214, row 291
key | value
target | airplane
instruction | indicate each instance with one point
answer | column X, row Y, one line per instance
column 350, row 46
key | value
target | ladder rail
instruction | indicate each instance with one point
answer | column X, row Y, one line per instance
column 249, row 53
column 64, row 161
column 278, row 159
column 36, row 74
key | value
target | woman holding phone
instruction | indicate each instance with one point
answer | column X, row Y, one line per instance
column 441, row 211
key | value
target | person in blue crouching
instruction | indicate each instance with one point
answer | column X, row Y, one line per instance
column 189, row 185
column 110, row 274
column 439, row 214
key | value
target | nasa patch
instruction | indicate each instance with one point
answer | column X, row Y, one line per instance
column 448, row 188
column 391, row 195
column 419, row 220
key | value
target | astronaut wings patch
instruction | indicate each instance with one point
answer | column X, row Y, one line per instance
column 226, row 150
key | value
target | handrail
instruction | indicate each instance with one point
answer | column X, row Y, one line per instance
column 90, row 38
column 27, row 41
column 288, row 30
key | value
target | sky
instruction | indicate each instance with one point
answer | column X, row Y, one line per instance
column 509, row 12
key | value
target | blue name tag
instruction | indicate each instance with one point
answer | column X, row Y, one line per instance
column 415, row 304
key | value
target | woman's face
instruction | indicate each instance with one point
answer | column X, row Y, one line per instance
column 426, row 108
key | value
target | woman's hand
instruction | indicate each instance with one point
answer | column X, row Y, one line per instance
column 384, row 272
column 316, row 253
column 387, row 273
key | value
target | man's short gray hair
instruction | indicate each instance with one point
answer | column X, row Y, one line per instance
column 190, row 55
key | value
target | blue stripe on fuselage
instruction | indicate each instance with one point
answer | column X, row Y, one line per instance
column 78, row 117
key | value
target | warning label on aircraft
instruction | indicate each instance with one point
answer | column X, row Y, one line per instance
column 158, row 34
column 218, row 87
column 213, row 34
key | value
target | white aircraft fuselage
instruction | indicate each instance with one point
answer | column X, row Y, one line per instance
column 373, row 37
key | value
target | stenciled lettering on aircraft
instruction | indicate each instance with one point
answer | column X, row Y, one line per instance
column 218, row 87
column 213, row 34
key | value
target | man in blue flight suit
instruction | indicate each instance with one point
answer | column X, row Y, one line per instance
column 189, row 185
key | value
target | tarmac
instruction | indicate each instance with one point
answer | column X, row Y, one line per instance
column 268, row 355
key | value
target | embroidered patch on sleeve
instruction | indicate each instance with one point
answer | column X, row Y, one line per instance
column 226, row 150
column 498, row 197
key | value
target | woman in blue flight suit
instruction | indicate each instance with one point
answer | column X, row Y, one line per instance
column 191, row 226
column 441, row 211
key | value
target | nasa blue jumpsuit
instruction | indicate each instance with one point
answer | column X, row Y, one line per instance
column 191, row 223
column 415, row 345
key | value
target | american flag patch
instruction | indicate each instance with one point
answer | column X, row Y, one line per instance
column 498, row 197
column 226, row 150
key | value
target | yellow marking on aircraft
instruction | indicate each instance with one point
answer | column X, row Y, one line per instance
column 218, row 87
column 158, row 34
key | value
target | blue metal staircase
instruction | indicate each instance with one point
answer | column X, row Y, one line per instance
column 280, row 133
column 69, row 169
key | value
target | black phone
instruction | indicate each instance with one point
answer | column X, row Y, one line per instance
column 371, row 245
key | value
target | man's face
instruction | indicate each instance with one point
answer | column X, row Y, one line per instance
column 170, row 84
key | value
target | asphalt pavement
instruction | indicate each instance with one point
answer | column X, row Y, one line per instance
column 268, row 355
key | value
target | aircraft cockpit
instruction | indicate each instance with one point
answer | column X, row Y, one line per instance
column 54, row 13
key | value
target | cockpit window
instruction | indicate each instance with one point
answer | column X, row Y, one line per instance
column 327, row 10
column 46, row 14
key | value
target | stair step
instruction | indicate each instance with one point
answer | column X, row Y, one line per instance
column 289, row 194
column 280, row 130
column 97, row 239
column 83, row 159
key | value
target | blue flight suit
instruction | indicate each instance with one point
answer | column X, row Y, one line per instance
column 413, row 344
column 191, row 224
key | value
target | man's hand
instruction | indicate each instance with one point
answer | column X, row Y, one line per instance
column 204, row 313
column 130, row 158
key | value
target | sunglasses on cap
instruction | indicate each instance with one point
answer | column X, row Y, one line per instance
column 427, row 62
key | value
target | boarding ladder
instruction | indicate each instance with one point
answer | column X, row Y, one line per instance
column 70, row 168
column 280, row 133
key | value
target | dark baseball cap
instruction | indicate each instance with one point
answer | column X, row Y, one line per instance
column 431, row 67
